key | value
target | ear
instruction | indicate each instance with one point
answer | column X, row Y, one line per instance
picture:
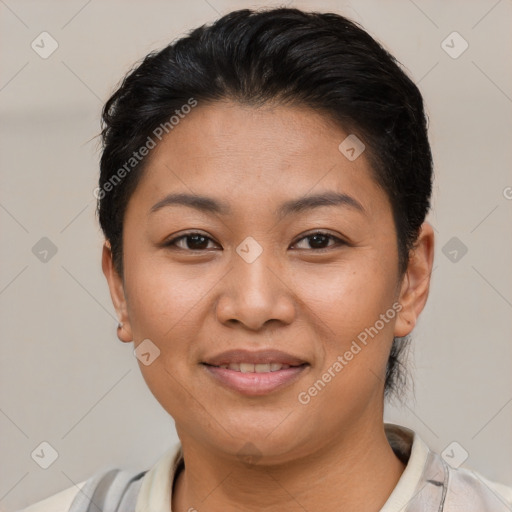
column 416, row 281
column 116, row 286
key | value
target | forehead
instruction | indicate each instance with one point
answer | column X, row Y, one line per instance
column 228, row 129
column 246, row 153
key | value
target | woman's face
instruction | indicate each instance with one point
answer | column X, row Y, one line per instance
column 252, row 285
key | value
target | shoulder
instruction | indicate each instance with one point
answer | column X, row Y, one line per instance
column 430, row 483
column 59, row 502
column 468, row 491
column 119, row 488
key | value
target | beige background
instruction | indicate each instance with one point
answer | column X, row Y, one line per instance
column 67, row 380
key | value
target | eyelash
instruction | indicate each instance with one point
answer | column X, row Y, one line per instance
column 338, row 241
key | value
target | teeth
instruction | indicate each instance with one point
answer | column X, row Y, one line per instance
column 255, row 368
column 246, row 368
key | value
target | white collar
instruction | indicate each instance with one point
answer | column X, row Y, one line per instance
column 405, row 441
column 155, row 491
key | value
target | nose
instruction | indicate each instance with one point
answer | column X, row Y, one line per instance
column 255, row 294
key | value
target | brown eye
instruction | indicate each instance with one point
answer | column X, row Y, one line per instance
column 192, row 242
column 319, row 241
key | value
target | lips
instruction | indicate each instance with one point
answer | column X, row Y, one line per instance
column 255, row 373
column 255, row 368
column 254, row 361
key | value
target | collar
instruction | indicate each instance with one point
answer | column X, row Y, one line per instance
column 155, row 491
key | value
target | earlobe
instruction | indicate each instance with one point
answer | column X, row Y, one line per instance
column 416, row 281
column 116, row 287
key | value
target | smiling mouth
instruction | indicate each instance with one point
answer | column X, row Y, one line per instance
column 255, row 372
column 256, row 379
column 255, row 368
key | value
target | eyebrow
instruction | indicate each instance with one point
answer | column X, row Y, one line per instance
column 293, row 206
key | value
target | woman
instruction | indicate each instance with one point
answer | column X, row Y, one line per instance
column 263, row 192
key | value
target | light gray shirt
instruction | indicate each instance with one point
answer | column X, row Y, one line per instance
column 429, row 483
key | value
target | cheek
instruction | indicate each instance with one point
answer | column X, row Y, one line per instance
column 352, row 369
column 163, row 306
column 350, row 297
column 164, row 299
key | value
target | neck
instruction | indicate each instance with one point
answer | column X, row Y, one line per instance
column 334, row 478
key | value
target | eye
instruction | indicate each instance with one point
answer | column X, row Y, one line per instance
column 318, row 240
column 195, row 241
column 192, row 241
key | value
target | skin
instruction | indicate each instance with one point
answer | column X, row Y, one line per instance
column 193, row 304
